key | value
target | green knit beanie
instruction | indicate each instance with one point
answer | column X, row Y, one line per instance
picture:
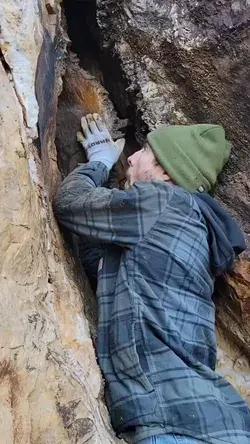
column 193, row 156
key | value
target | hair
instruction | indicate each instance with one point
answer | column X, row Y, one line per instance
column 148, row 149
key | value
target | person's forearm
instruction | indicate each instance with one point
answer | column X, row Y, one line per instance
column 77, row 184
column 90, row 175
column 82, row 201
column 84, row 206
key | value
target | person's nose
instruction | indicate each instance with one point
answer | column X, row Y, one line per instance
column 130, row 161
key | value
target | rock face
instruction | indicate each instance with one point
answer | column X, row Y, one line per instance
column 50, row 384
column 188, row 62
column 182, row 64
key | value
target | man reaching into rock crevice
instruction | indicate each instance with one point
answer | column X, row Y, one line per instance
column 163, row 241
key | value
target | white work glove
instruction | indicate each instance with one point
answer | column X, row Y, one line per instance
column 97, row 141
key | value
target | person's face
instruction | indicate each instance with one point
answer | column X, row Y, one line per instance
column 143, row 166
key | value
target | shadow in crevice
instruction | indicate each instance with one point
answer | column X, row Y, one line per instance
column 82, row 93
column 101, row 62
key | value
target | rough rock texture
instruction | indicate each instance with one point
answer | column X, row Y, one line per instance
column 50, row 384
column 233, row 365
column 188, row 62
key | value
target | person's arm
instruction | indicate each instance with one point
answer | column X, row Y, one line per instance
column 85, row 207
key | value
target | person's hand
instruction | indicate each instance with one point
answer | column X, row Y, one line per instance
column 97, row 141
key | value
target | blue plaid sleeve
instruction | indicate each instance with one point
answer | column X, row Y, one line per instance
column 84, row 206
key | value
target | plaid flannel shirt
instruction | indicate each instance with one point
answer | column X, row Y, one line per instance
column 156, row 332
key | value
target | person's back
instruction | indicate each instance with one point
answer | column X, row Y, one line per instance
column 156, row 334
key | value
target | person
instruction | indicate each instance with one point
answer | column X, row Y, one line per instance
column 163, row 239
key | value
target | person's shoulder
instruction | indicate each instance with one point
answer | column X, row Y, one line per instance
column 166, row 191
column 176, row 193
column 153, row 185
column 149, row 193
column 183, row 199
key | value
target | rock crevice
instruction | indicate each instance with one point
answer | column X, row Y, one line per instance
column 193, row 68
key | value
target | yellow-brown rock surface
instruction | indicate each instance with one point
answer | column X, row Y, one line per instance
column 51, row 388
column 50, row 383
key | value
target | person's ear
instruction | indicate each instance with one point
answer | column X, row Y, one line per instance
column 166, row 177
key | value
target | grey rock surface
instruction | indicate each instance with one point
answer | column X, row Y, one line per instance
column 188, row 61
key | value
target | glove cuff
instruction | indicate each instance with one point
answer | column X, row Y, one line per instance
column 104, row 161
